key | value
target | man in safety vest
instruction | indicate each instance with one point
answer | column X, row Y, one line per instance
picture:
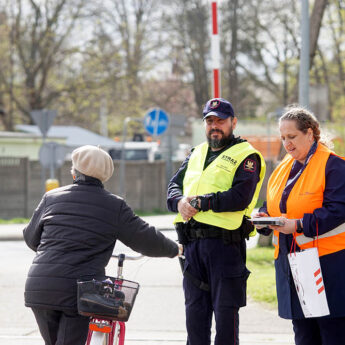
column 214, row 192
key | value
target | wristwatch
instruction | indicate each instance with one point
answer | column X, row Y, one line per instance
column 299, row 228
column 195, row 203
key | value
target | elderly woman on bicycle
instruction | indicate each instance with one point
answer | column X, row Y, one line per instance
column 73, row 232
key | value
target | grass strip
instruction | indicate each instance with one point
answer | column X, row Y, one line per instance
column 15, row 221
column 261, row 282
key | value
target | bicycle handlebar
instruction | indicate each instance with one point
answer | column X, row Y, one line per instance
column 121, row 258
column 127, row 256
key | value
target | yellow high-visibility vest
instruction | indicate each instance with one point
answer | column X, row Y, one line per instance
column 218, row 177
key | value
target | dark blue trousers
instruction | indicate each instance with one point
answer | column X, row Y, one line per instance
column 223, row 267
column 319, row 331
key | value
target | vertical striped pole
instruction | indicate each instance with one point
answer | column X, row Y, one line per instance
column 303, row 86
column 215, row 52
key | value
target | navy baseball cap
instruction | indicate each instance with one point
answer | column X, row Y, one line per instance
column 219, row 107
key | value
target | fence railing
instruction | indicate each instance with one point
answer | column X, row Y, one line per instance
column 21, row 185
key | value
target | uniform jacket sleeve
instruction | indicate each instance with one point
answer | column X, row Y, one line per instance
column 175, row 187
column 332, row 212
column 264, row 231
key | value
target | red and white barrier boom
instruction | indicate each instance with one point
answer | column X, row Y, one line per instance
column 215, row 52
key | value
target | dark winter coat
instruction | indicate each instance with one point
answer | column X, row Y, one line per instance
column 73, row 231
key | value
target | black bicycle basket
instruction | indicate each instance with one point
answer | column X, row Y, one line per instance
column 110, row 298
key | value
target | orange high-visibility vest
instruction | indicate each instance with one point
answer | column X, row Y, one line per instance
column 305, row 196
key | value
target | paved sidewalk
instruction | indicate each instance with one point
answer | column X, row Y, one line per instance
column 11, row 232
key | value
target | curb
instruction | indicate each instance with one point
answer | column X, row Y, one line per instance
column 11, row 232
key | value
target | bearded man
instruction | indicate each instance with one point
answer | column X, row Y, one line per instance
column 214, row 193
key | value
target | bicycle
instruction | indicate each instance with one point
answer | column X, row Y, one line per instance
column 108, row 303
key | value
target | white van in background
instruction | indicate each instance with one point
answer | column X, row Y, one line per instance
column 137, row 150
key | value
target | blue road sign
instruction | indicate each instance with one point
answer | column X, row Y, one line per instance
column 156, row 121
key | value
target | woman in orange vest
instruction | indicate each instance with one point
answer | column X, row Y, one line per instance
column 307, row 190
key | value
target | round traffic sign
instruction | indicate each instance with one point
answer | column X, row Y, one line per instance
column 156, row 121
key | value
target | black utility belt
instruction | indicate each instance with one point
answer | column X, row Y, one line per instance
column 193, row 230
column 227, row 235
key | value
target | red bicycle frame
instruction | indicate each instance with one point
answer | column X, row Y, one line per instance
column 111, row 328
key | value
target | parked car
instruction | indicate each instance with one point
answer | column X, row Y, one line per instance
column 135, row 150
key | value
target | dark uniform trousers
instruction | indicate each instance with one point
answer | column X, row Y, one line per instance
column 61, row 328
column 223, row 267
column 319, row 331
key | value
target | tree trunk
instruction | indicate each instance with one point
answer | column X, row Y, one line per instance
column 315, row 25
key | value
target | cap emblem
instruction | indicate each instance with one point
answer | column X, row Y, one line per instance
column 214, row 104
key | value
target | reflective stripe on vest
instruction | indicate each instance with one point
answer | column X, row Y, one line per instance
column 305, row 197
column 301, row 240
column 218, row 177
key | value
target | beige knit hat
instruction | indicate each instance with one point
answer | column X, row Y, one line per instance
column 93, row 161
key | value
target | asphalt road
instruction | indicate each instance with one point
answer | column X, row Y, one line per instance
column 158, row 314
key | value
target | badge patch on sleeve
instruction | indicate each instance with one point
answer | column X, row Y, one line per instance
column 249, row 165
